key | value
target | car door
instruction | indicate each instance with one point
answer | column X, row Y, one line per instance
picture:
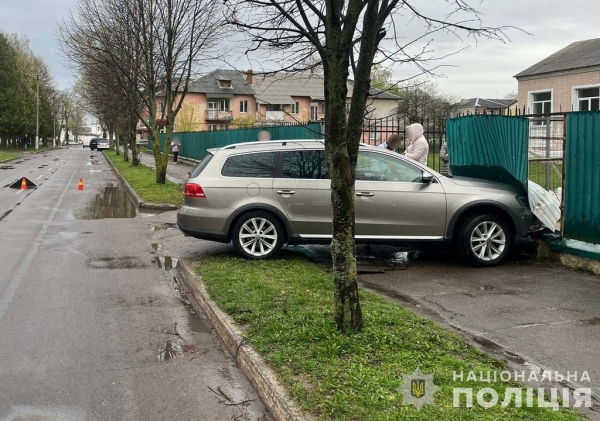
column 303, row 188
column 392, row 202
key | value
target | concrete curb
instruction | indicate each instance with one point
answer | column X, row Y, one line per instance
column 249, row 361
column 139, row 202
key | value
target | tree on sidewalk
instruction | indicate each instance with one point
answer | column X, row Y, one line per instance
column 347, row 36
column 153, row 48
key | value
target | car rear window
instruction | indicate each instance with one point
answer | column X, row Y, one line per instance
column 305, row 164
column 261, row 165
column 201, row 166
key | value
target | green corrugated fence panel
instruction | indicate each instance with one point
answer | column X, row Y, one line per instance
column 195, row 144
column 491, row 147
column 582, row 177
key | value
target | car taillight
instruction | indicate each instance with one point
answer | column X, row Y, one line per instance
column 193, row 190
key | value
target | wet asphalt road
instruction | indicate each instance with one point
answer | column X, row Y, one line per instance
column 92, row 323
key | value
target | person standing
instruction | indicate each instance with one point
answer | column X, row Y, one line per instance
column 418, row 147
column 445, row 167
column 392, row 143
column 175, row 149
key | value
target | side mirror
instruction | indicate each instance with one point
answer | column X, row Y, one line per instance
column 427, row 178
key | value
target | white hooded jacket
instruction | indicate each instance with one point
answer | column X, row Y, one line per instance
column 418, row 147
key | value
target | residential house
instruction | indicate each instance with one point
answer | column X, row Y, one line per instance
column 218, row 101
column 485, row 106
column 225, row 99
column 568, row 80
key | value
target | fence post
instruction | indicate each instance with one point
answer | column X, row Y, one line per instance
column 548, row 135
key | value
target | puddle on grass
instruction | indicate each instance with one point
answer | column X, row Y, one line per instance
column 126, row 262
column 167, row 262
column 111, row 202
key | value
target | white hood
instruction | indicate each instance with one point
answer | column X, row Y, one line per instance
column 413, row 132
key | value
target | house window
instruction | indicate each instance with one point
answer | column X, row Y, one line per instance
column 588, row 99
column 223, row 127
column 296, row 108
column 212, row 127
column 162, row 107
column 542, row 102
column 274, row 107
column 373, row 134
column 224, row 105
column 243, row 107
column 314, row 111
column 225, row 83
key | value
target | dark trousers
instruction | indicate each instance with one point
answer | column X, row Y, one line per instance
column 175, row 156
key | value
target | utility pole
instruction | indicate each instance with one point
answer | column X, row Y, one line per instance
column 54, row 121
column 37, row 113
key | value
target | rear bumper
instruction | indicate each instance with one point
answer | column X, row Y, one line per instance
column 206, row 224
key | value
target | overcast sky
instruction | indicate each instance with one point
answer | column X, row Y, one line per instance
column 484, row 69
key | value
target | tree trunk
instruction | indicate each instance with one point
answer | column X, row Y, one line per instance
column 159, row 161
column 117, row 149
column 125, row 147
column 135, row 158
column 341, row 159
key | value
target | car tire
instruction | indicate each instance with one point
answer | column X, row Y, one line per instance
column 264, row 243
column 484, row 240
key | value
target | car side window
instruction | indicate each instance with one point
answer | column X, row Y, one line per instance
column 382, row 167
column 305, row 164
column 257, row 165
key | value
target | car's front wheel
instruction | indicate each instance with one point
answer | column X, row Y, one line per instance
column 258, row 235
column 484, row 240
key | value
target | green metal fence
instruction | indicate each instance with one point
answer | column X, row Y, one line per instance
column 492, row 147
column 582, row 177
column 193, row 145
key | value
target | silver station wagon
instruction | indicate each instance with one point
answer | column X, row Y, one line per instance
column 262, row 195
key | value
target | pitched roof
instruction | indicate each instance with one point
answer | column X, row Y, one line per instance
column 575, row 56
column 280, row 87
column 209, row 84
column 487, row 103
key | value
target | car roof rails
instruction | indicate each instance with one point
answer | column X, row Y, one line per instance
column 281, row 143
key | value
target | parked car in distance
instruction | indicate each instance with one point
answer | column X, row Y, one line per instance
column 99, row 144
column 261, row 195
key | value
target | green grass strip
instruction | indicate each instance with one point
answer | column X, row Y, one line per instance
column 285, row 308
column 143, row 180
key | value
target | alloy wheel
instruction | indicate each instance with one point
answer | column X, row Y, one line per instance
column 488, row 241
column 258, row 236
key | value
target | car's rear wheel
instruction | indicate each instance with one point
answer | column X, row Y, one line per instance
column 484, row 240
column 258, row 235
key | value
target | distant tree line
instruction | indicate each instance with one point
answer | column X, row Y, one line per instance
column 18, row 80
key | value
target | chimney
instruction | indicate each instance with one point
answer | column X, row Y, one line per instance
column 249, row 77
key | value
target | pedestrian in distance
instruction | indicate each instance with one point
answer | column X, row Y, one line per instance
column 418, row 147
column 175, row 149
column 264, row 136
column 392, row 143
column 445, row 166
column 24, row 145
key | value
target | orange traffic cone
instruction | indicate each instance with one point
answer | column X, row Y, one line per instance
column 80, row 186
column 23, row 184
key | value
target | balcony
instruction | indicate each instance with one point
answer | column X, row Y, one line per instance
column 218, row 115
column 275, row 115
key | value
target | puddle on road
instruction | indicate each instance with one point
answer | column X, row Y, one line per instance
column 165, row 226
column 156, row 246
column 126, row 262
column 6, row 167
column 111, row 202
column 167, row 262
column 593, row 322
column 170, row 351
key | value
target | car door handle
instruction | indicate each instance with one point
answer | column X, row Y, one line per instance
column 365, row 194
column 285, row 192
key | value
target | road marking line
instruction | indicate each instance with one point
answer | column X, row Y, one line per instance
column 39, row 177
column 11, row 288
column 19, row 192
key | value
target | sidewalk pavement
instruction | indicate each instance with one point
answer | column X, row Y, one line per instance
column 175, row 173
